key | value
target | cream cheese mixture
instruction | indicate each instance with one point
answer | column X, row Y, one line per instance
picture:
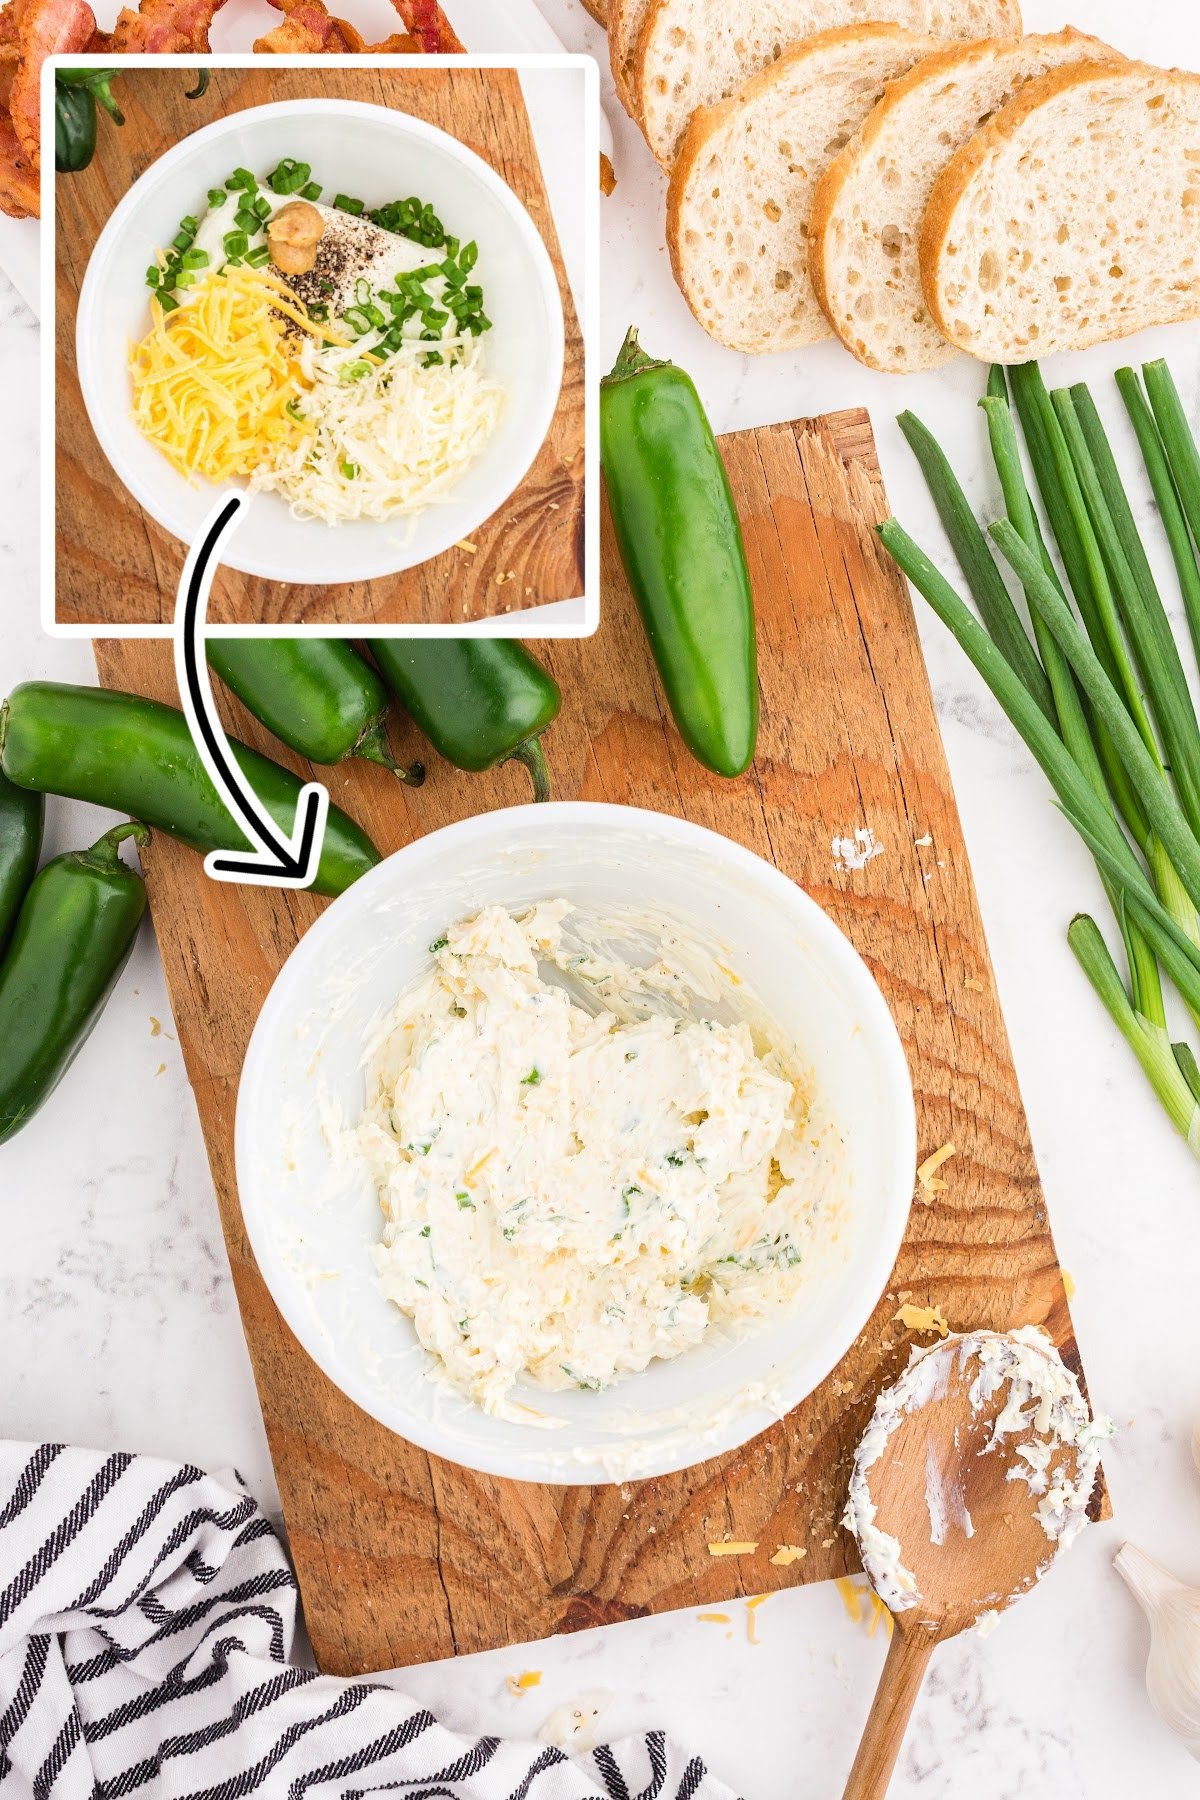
column 572, row 1189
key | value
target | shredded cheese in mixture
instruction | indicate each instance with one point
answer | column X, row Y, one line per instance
column 212, row 382
column 389, row 442
column 568, row 1193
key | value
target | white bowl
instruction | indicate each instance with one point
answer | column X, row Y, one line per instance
column 313, row 1215
column 379, row 155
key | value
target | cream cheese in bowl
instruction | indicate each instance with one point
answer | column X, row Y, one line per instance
column 450, row 1040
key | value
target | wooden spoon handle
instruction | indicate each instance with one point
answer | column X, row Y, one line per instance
column 899, row 1684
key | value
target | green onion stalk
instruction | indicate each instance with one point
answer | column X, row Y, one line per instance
column 1095, row 684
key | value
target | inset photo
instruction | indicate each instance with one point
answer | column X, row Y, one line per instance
column 350, row 294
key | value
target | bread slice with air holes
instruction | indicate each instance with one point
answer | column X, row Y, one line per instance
column 598, row 10
column 625, row 21
column 1072, row 218
column 693, row 53
column 738, row 204
column 868, row 210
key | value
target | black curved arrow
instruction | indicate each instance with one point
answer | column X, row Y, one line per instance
column 278, row 860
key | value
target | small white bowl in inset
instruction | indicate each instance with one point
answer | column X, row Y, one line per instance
column 378, row 155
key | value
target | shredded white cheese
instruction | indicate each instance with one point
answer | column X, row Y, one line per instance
column 389, row 442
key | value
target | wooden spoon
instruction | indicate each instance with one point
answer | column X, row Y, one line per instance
column 939, row 1476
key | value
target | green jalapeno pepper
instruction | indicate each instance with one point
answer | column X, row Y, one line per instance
column 22, row 816
column 137, row 756
column 681, row 544
column 73, row 936
column 317, row 695
column 479, row 701
column 74, row 129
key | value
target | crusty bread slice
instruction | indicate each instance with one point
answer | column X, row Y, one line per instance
column 693, row 53
column 598, row 10
column 738, row 204
column 1072, row 218
column 625, row 21
column 869, row 206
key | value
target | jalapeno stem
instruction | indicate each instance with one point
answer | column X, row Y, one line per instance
column 200, row 88
column 104, row 853
column 534, row 758
column 632, row 360
column 373, row 746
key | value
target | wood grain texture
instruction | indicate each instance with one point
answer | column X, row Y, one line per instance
column 115, row 566
column 402, row 1557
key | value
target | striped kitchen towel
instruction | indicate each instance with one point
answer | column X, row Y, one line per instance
column 147, row 1614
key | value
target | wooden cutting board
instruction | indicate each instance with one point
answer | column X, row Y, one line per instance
column 402, row 1557
column 115, row 566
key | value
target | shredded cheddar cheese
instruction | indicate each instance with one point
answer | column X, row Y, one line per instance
column 212, row 381
column 788, row 1553
column 923, row 1318
column 732, row 1549
column 521, row 1684
column 927, row 1172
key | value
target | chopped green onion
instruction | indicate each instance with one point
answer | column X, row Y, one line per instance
column 236, row 243
column 153, row 275
column 311, row 190
column 349, row 470
column 258, row 257
column 184, row 240
column 292, row 409
column 242, row 178
column 344, row 203
column 356, row 370
column 195, row 259
column 168, row 303
column 217, row 197
column 289, row 177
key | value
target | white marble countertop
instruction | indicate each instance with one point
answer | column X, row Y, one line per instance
column 118, row 1324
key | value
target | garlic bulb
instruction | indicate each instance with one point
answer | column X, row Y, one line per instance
column 1173, row 1670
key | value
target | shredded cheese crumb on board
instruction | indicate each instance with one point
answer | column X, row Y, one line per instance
column 923, row 1318
column 927, row 1173
column 732, row 1548
column 788, row 1554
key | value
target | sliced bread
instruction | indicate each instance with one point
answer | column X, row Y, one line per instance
column 868, row 210
column 1072, row 218
column 738, row 204
column 693, row 53
column 625, row 21
column 598, row 10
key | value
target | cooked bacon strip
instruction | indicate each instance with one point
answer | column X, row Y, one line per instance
column 172, row 27
column 426, row 21
column 18, row 182
column 309, row 29
column 400, row 44
column 46, row 28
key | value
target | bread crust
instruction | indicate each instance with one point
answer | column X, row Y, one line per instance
column 953, row 180
column 833, row 182
column 707, row 121
column 623, row 51
column 639, row 59
column 598, row 10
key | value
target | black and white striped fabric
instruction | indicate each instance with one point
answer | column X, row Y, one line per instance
column 147, row 1614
